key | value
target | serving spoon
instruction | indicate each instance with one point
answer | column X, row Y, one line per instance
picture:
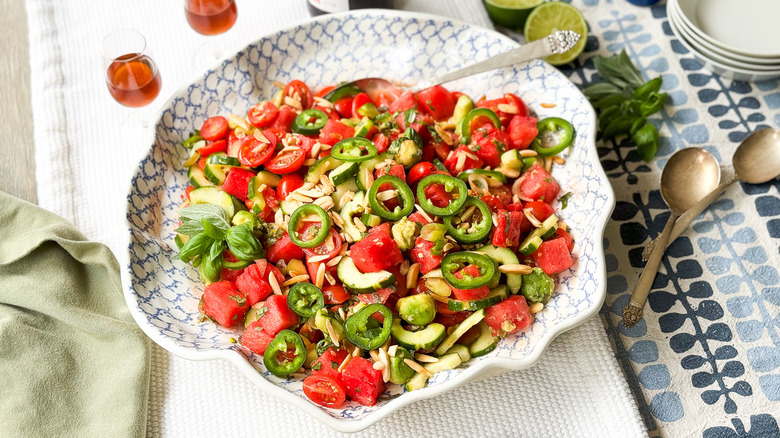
column 560, row 41
column 756, row 161
column 689, row 175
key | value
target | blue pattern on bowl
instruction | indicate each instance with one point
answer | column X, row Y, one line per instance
column 163, row 293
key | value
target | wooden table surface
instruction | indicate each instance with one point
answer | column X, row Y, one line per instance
column 17, row 150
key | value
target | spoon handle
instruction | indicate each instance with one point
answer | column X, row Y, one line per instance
column 632, row 313
column 557, row 42
column 685, row 219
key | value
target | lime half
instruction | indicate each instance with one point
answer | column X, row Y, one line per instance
column 510, row 13
column 552, row 16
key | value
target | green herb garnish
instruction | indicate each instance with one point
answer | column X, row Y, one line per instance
column 624, row 101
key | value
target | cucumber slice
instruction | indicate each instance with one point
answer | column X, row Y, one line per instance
column 254, row 313
column 494, row 297
column 267, row 178
column 342, row 189
column 371, row 220
column 424, row 339
column 222, row 159
column 460, row 350
column 288, row 207
column 533, row 240
column 336, row 323
column 461, row 329
column 446, row 362
column 213, row 195
column 215, row 173
column 197, row 178
column 319, row 168
column 511, row 159
column 485, row 343
column 417, row 382
column 360, row 283
column 462, row 107
column 365, row 174
column 350, row 210
column 343, row 173
column 505, row 256
column 362, row 128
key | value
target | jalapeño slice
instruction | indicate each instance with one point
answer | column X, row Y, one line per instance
column 285, row 354
column 450, row 183
column 455, row 261
column 309, row 122
column 322, row 231
column 553, row 126
column 404, row 193
column 354, row 149
column 364, row 331
column 474, row 231
column 305, row 299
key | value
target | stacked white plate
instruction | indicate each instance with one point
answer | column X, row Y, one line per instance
column 734, row 39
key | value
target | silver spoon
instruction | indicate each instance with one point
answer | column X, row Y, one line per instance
column 689, row 175
column 560, row 41
column 756, row 161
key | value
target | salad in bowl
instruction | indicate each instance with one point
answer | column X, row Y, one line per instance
column 352, row 250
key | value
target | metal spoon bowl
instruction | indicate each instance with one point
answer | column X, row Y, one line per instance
column 689, row 175
column 756, row 161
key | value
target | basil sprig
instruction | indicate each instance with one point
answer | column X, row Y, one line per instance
column 624, row 100
column 210, row 233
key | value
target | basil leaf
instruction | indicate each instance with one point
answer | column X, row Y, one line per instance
column 651, row 86
column 565, row 200
column 197, row 245
column 619, row 125
column 210, row 267
column 601, row 90
column 654, row 103
column 608, row 101
column 243, row 244
column 191, row 217
column 410, row 116
column 646, row 140
column 212, row 231
column 619, row 70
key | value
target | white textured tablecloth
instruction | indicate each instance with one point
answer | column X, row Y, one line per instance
column 87, row 146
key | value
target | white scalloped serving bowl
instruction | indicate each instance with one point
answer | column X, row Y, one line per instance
column 162, row 292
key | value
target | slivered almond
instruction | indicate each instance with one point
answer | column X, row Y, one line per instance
column 332, row 333
column 296, row 279
column 525, row 153
column 318, row 258
column 411, row 276
column 417, row 367
column 320, row 279
column 379, row 366
column 423, row 213
column 469, row 155
column 548, row 164
column 529, row 213
column 420, row 357
column 515, row 268
column 341, row 313
column 293, row 103
column 386, row 195
column 509, row 173
column 330, row 278
column 559, row 160
column 386, row 362
column 334, row 261
column 315, row 150
column 346, row 361
column 440, row 298
column 359, row 224
column 356, row 352
column 278, row 84
column 536, row 307
column 443, row 134
column 507, row 108
column 391, row 350
column 346, row 198
column 323, row 102
column 274, row 284
column 309, row 161
column 467, row 214
column 259, row 135
column 311, row 193
column 326, row 202
column 436, row 273
column 403, row 268
column 298, row 197
column 461, row 162
column 374, row 355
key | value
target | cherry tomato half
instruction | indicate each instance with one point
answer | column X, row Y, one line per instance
column 214, row 146
column 300, row 92
column 358, row 101
column 330, row 247
column 335, row 294
column 288, row 184
column 214, row 128
column 254, row 152
column 324, row 390
column 419, row 171
column 286, row 162
column 262, row 114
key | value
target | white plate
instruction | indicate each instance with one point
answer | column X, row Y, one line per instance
column 162, row 293
column 747, row 27
column 700, row 46
column 716, row 67
column 693, row 37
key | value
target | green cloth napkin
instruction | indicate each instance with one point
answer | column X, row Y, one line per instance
column 72, row 360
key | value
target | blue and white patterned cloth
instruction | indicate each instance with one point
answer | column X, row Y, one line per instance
column 705, row 361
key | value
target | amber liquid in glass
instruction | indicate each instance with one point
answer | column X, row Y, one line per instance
column 133, row 80
column 211, row 17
